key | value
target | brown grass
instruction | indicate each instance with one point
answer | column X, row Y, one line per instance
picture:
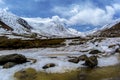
column 37, row 43
column 100, row 73
column 32, row 74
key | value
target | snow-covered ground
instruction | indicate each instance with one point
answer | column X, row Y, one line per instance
column 43, row 56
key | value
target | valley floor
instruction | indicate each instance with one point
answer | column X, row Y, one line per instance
column 60, row 56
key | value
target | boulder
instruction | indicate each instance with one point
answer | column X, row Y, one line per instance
column 49, row 65
column 15, row 58
column 82, row 57
column 117, row 50
column 94, row 52
column 91, row 61
column 77, row 59
column 9, row 65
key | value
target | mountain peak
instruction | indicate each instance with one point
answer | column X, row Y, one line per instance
column 13, row 23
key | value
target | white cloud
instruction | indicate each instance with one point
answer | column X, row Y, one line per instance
column 53, row 19
column 5, row 9
column 95, row 16
column 88, row 14
column 67, row 11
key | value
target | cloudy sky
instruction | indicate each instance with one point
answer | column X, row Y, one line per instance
column 82, row 15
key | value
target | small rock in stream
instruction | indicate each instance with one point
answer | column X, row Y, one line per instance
column 49, row 65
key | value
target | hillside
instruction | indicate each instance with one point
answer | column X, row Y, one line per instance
column 110, row 30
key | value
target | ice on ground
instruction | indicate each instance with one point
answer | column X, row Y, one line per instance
column 106, row 61
column 43, row 56
column 62, row 65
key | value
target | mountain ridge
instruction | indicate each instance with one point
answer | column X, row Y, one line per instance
column 16, row 27
column 13, row 24
column 109, row 30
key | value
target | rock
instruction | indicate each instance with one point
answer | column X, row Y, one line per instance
column 53, row 57
column 112, row 46
column 117, row 50
column 75, row 60
column 91, row 61
column 16, row 58
column 49, row 65
column 94, row 52
column 9, row 65
column 82, row 57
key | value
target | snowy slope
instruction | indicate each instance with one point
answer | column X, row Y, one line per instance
column 12, row 21
column 109, row 30
column 52, row 27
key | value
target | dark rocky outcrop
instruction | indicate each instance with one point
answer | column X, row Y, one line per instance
column 49, row 65
column 16, row 58
column 5, row 26
column 24, row 23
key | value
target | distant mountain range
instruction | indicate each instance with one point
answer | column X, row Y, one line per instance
column 14, row 26
column 11, row 24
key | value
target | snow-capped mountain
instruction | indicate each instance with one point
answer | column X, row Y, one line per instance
column 51, row 27
column 10, row 23
column 109, row 30
column 54, row 27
